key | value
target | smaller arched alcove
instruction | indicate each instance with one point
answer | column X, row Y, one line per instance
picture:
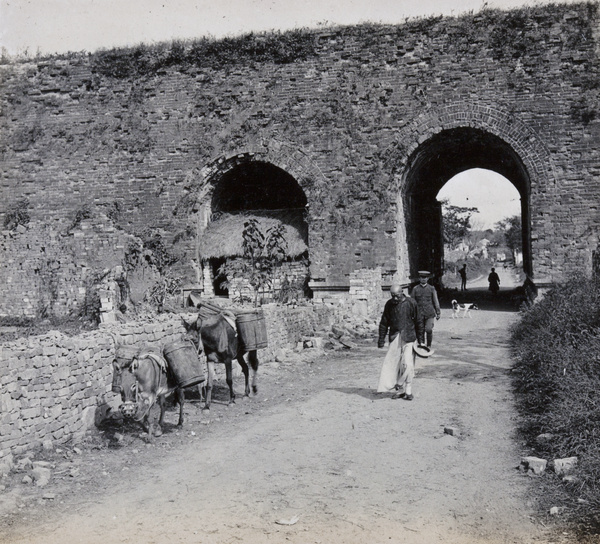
column 271, row 200
column 431, row 166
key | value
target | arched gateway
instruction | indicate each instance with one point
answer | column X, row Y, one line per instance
column 444, row 143
column 262, row 186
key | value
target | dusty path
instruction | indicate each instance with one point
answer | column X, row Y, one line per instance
column 319, row 449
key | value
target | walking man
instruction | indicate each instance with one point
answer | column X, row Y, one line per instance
column 463, row 278
column 428, row 305
column 399, row 321
column 494, row 281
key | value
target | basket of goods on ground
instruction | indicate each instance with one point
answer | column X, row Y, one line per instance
column 184, row 363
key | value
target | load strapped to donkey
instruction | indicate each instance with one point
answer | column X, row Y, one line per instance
column 183, row 364
column 251, row 324
column 223, row 336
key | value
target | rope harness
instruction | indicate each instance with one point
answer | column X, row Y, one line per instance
column 156, row 361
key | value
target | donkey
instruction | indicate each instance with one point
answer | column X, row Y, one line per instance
column 147, row 380
column 218, row 337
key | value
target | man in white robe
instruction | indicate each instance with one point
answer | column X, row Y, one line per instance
column 399, row 322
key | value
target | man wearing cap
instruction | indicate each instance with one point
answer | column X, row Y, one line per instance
column 399, row 319
column 426, row 298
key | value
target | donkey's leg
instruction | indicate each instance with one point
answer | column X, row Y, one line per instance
column 229, row 378
column 180, row 398
column 253, row 360
column 161, row 401
column 244, row 366
column 209, row 383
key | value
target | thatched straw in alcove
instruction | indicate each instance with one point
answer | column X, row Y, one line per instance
column 223, row 236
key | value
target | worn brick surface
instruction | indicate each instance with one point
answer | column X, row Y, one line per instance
column 346, row 122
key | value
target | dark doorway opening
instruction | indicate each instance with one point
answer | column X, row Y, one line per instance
column 431, row 166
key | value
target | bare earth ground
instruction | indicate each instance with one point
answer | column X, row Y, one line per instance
column 316, row 457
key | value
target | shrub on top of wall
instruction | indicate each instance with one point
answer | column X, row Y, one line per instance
column 276, row 47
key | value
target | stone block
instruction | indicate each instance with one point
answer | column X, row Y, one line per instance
column 564, row 466
column 534, row 465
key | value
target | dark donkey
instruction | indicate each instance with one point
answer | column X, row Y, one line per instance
column 218, row 337
column 144, row 382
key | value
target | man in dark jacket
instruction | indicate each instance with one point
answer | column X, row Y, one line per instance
column 426, row 298
column 399, row 318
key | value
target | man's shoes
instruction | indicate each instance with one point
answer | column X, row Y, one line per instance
column 399, row 396
column 407, row 397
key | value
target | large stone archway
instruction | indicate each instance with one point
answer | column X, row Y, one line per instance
column 273, row 177
column 444, row 142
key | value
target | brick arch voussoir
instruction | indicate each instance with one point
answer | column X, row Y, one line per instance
column 283, row 155
column 524, row 141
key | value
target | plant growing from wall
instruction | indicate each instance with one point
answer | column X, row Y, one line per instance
column 91, row 305
column 167, row 286
column 48, row 290
column 262, row 257
column 147, row 60
column 17, row 214
column 83, row 213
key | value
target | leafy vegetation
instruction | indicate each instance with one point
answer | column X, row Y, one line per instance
column 166, row 287
column 512, row 231
column 83, row 213
column 263, row 256
column 143, row 60
column 457, row 222
column 556, row 347
column 17, row 215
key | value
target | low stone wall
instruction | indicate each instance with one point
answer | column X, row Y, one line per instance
column 52, row 387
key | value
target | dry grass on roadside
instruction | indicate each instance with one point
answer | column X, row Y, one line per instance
column 556, row 347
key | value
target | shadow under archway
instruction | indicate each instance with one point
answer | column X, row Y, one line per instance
column 434, row 163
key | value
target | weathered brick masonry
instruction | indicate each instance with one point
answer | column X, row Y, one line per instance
column 51, row 386
column 365, row 119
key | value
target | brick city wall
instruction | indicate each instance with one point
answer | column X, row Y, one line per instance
column 53, row 386
column 343, row 115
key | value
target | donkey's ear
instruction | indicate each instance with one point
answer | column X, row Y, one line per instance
column 134, row 364
column 116, row 366
column 187, row 325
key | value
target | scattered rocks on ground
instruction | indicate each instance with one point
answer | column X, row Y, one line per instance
column 534, row 465
column 6, row 465
column 564, row 466
column 41, row 476
column 544, row 438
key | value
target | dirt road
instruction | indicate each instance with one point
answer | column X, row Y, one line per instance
column 316, row 457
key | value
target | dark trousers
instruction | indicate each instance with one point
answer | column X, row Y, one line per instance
column 425, row 328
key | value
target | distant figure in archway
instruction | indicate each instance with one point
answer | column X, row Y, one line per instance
column 463, row 278
column 494, row 281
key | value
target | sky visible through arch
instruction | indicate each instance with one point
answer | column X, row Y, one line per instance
column 492, row 194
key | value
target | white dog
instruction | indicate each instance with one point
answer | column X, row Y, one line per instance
column 464, row 308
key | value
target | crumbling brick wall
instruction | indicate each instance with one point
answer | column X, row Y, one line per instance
column 52, row 386
column 343, row 114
